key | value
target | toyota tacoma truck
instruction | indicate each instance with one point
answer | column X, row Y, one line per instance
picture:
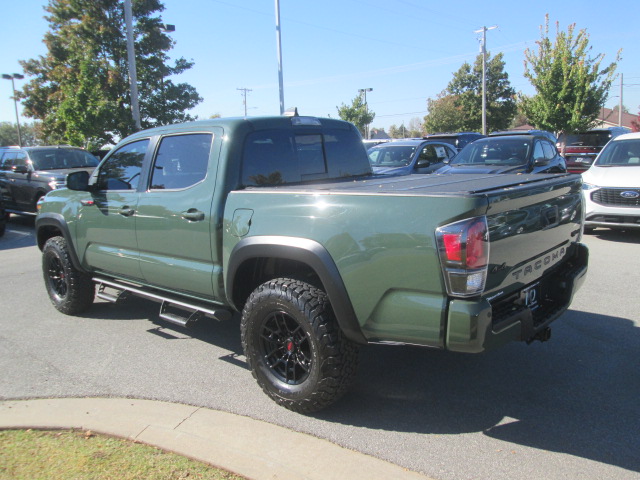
column 281, row 220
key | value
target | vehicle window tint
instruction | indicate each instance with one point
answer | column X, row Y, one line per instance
column 20, row 160
column 61, row 158
column 181, row 161
column 121, row 171
column 269, row 159
column 549, row 150
column 538, row 152
column 274, row 157
column 7, row 160
column 310, row 154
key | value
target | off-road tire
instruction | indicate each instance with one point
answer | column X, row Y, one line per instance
column 71, row 291
column 294, row 346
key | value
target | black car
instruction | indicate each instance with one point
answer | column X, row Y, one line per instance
column 458, row 140
column 28, row 173
column 3, row 218
column 543, row 133
column 508, row 154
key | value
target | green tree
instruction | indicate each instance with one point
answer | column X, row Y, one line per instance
column 80, row 88
column 571, row 86
column 459, row 106
column 466, row 86
column 445, row 114
column 29, row 133
column 358, row 113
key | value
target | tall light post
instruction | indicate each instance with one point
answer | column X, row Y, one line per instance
column 131, row 55
column 16, row 76
column 279, row 45
column 483, row 50
column 366, row 108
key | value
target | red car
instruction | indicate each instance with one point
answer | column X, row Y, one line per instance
column 581, row 149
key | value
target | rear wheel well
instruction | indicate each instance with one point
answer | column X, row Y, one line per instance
column 255, row 271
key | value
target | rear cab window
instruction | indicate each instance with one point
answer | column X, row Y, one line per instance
column 277, row 157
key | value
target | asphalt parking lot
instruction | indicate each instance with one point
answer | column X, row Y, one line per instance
column 562, row 409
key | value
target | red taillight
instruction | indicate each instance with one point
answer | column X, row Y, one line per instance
column 452, row 246
column 464, row 255
column 477, row 246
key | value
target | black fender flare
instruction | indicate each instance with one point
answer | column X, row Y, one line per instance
column 310, row 253
column 45, row 221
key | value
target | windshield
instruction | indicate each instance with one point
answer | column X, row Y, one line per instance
column 392, row 155
column 623, row 153
column 591, row 139
column 60, row 158
column 502, row 151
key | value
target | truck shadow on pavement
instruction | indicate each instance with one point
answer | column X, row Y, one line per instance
column 577, row 394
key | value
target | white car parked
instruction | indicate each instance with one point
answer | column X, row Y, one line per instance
column 612, row 185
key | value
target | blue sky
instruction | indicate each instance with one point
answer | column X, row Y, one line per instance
column 405, row 50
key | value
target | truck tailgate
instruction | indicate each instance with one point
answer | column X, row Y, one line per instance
column 532, row 228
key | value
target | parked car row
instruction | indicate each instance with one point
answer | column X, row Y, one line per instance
column 607, row 158
column 497, row 153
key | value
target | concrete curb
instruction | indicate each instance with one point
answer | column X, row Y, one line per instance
column 248, row 447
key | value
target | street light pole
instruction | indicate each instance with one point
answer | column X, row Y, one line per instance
column 279, row 44
column 133, row 76
column 483, row 49
column 17, row 76
column 366, row 108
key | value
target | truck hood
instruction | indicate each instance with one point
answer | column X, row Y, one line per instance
column 623, row 176
column 485, row 169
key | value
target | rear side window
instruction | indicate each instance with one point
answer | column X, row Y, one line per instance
column 181, row 161
column 275, row 157
column 121, row 171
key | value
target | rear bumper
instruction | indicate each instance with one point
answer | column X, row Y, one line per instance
column 478, row 326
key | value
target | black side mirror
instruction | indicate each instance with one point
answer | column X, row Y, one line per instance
column 78, row 181
column 21, row 169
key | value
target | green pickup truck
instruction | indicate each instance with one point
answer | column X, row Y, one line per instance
column 281, row 219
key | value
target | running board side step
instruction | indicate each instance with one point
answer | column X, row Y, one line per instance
column 175, row 310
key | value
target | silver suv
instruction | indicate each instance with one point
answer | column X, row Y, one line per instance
column 28, row 173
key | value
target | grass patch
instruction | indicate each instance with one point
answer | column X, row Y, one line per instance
column 81, row 455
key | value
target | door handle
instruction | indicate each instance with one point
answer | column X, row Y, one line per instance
column 126, row 211
column 193, row 215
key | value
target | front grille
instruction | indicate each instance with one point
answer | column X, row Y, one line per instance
column 613, row 197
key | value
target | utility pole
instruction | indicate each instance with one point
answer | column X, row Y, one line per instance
column 366, row 108
column 133, row 76
column 483, row 50
column 620, row 107
column 244, row 101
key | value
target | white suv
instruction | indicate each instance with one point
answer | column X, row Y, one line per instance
column 612, row 185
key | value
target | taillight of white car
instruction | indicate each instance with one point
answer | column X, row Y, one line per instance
column 464, row 256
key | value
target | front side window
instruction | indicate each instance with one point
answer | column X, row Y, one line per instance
column 181, row 161
column 121, row 171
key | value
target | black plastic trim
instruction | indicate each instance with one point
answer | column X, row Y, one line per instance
column 310, row 253
column 57, row 221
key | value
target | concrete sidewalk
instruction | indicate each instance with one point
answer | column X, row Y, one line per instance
column 251, row 448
